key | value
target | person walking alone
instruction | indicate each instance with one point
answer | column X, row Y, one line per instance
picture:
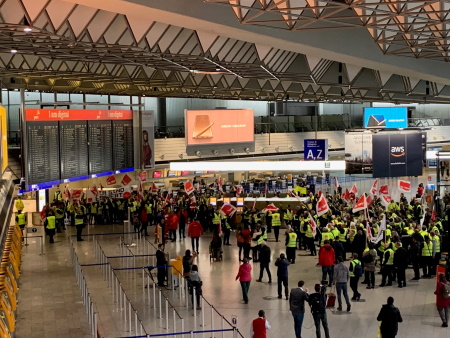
column 195, row 231
column 442, row 303
column 245, row 277
column 326, row 260
column 340, row 279
column 260, row 326
column 264, row 262
column 355, row 273
column 317, row 301
column 389, row 317
column 282, row 275
column 297, row 300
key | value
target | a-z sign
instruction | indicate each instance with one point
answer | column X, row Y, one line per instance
column 316, row 150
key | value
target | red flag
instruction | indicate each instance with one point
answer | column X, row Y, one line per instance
column 239, row 190
column 140, row 196
column 125, row 180
column 386, row 200
column 354, row 189
column 94, row 189
column 313, row 225
column 374, row 188
column 322, row 206
column 361, row 204
column 154, row 188
column 368, row 232
column 67, row 193
column 404, row 186
column 188, row 187
column 220, row 184
column 384, row 190
column 265, row 191
column 43, row 213
column 433, row 215
column 368, row 200
column 336, row 183
column 270, row 208
column 319, row 193
column 143, row 176
column 228, row 209
column 111, row 180
column 168, row 198
column 346, row 195
column 127, row 192
column 77, row 193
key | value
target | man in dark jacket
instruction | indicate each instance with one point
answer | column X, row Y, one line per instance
column 297, row 306
column 400, row 263
column 282, row 273
column 161, row 263
column 389, row 317
column 264, row 260
column 414, row 254
column 318, row 302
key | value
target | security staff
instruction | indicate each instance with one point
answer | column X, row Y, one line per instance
column 288, row 215
column 326, row 235
column 291, row 246
column 354, row 278
column 427, row 257
column 19, row 204
column 50, row 225
column 21, row 219
column 276, row 223
column 217, row 221
column 79, row 222
column 387, row 265
column 309, row 235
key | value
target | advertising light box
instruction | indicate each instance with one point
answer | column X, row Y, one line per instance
column 221, row 129
column 315, row 150
column 386, row 117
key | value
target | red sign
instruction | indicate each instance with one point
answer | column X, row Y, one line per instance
column 404, row 186
column 384, row 190
column 354, row 190
column 154, row 188
column 228, row 209
column 76, row 193
column 386, row 200
column 189, row 187
column 143, row 176
column 111, row 180
column 361, row 204
column 76, row 114
column 322, row 206
column 270, row 208
column 94, row 189
column 125, row 180
column 346, row 195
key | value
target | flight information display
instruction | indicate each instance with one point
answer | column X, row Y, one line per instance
column 100, row 146
column 43, row 152
column 66, row 145
column 74, row 149
column 123, row 149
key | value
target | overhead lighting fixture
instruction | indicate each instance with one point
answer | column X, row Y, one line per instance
column 14, row 51
column 27, row 29
column 259, row 166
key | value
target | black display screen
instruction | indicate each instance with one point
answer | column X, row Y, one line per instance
column 74, row 148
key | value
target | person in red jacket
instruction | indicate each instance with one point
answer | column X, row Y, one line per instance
column 173, row 226
column 260, row 326
column 195, row 231
column 326, row 260
column 182, row 219
column 144, row 222
column 442, row 303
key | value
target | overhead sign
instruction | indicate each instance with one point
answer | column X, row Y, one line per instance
column 76, row 114
column 315, row 150
column 386, row 117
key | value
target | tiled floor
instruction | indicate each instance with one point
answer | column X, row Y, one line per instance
column 49, row 300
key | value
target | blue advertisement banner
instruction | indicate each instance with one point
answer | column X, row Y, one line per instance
column 389, row 117
column 315, row 150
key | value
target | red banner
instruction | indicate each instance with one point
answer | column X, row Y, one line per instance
column 143, row 176
column 76, row 193
column 374, row 188
column 322, row 206
column 76, row 114
column 154, row 188
column 384, row 190
column 346, row 195
column 354, row 190
column 125, row 180
column 386, row 200
column 94, row 189
column 228, row 209
column 404, row 186
column 361, row 204
column 270, row 208
column 188, row 187
column 111, row 180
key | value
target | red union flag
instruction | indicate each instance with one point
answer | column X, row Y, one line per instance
column 361, row 204
column 239, row 190
column 354, row 189
column 154, row 188
column 188, row 187
column 369, row 232
column 374, row 188
column 125, row 180
column 346, row 195
column 368, row 200
column 404, row 186
column 322, row 206
column 386, row 200
column 384, row 190
column 143, row 176
column 127, row 192
column 228, row 209
column 270, row 208
column 76, row 193
column 94, row 189
column 336, row 182
column 313, row 225
column 111, row 180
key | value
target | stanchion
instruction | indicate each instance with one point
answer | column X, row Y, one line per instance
column 129, row 314
column 223, row 327
column 186, row 292
column 203, row 311
column 154, row 296
column 174, row 321
column 194, row 300
column 160, row 305
column 182, row 327
column 212, row 320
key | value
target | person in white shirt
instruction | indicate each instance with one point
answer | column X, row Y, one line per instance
column 259, row 326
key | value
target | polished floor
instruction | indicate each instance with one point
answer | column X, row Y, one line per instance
column 50, row 301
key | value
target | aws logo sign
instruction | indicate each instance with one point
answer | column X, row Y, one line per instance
column 398, row 151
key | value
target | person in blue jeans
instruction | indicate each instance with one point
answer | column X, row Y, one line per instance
column 297, row 300
column 340, row 279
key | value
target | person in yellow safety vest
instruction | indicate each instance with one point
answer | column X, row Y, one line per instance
column 291, row 246
column 387, row 265
column 334, row 232
column 19, row 203
column 302, row 239
column 276, row 223
column 309, row 236
column 217, row 221
column 424, row 231
column 50, row 225
column 354, row 278
column 435, row 239
column 264, row 232
column 388, row 231
column 59, row 215
column 287, row 215
column 326, row 235
column 79, row 222
column 226, row 230
column 427, row 257
column 393, row 207
column 21, row 219
column 132, row 206
column 149, row 210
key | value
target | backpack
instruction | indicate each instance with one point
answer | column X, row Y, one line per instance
column 317, row 303
column 446, row 291
column 356, row 269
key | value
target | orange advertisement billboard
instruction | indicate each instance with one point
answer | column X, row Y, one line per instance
column 220, row 126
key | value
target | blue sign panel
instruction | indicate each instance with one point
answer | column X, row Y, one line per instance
column 389, row 117
column 315, row 150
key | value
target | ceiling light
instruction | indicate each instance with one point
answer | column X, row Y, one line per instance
column 14, row 51
column 27, row 29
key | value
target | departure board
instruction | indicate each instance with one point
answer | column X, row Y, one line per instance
column 100, row 146
column 123, row 149
column 74, row 149
column 42, row 152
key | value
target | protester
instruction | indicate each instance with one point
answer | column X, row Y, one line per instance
column 259, row 326
column 195, row 231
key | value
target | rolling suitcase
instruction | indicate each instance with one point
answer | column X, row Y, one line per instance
column 331, row 298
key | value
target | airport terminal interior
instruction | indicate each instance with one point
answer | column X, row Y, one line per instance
column 156, row 155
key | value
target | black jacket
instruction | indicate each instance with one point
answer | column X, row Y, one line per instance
column 389, row 317
column 282, row 267
column 264, row 254
column 401, row 258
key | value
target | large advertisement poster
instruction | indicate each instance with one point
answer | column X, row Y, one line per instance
column 358, row 153
column 388, row 117
column 230, row 127
column 397, row 155
column 3, row 140
column 148, row 140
